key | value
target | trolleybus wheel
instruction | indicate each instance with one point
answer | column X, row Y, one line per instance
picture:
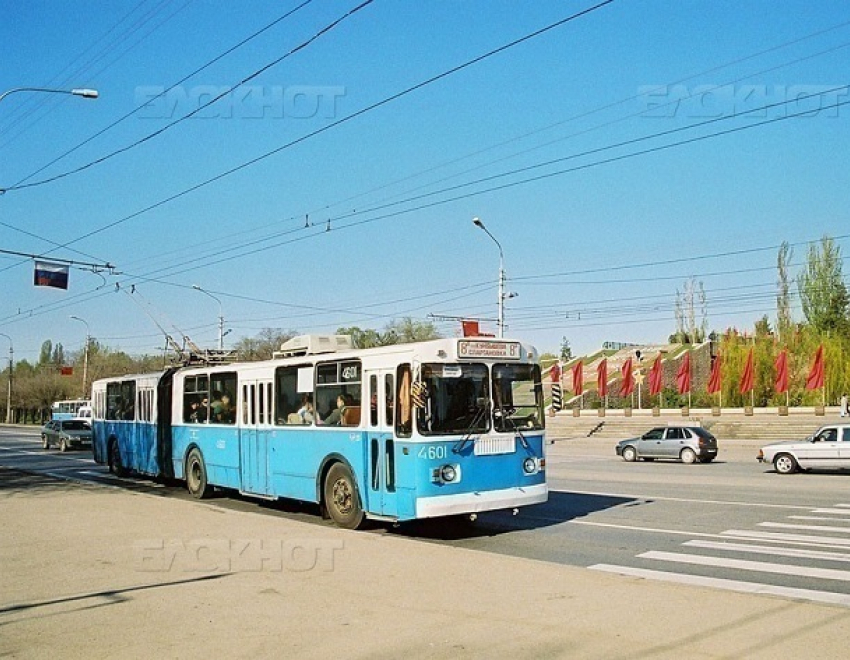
column 342, row 500
column 114, row 459
column 196, row 475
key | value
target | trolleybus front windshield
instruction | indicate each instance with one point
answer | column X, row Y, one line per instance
column 517, row 397
column 456, row 399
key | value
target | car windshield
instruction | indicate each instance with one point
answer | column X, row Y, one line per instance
column 75, row 425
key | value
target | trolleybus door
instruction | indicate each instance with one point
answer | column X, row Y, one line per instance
column 381, row 447
column 255, row 436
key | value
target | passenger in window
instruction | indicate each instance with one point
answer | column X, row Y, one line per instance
column 306, row 411
column 223, row 413
column 215, row 406
column 194, row 414
column 203, row 410
column 335, row 418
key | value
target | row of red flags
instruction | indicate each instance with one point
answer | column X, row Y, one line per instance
column 814, row 380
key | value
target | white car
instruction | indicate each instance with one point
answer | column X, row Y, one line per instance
column 827, row 448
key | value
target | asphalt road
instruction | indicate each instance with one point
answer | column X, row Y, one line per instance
column 732, row 524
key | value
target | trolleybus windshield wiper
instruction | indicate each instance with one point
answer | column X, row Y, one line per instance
column 467, row 436
column 509, row 419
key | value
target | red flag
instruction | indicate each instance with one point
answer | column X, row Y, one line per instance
column 628, row 384
column 781, row 365
column 470, row 328
column 815, row 379
column 747, row 377
column 555, row 373
column 683, row 375
column 602, row 377
column 714, row 381
column 66, row 371
column 578, row 378
column 656, row 377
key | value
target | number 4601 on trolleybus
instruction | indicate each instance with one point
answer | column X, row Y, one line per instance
column 396, row 433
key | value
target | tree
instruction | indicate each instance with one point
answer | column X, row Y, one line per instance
column 261, row 347
column 783, row 294
column 684, row 311
column 58, row 358
column 566, row 351
column 46, row 353
column 408, row 330
column 361, row 338
column 823, row 293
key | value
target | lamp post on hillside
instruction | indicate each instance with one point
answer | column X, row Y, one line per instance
column 9, row 389
column 220, row 316
column 84, row 93
column 502, row 295
column 85, row 354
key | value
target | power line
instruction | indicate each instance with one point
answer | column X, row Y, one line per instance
column 201, row 68
column 347, row 118
column 201, row 107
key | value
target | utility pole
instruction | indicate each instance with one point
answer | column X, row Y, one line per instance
column 9, row 388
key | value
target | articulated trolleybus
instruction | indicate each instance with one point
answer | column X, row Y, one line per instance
column 421, row 430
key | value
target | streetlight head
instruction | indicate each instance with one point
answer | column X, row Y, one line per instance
column 196, row 287
column 85, row 93
column 76, row 318
column 477, row 222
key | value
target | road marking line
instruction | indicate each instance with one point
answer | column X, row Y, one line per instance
column 23, row 452
column 816, row 528
column 652, row 530
column 747, row 565
column 688, row 500
column 833, row 519
column 728, row 585
column 796, row 539
column 843, row 512
column 770, row 550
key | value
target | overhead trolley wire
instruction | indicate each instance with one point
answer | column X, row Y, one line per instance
column 188, row 76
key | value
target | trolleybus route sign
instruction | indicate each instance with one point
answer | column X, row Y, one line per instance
column 489, row 349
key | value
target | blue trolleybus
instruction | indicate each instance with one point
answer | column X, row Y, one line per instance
column 397, row 433
column 68, row 409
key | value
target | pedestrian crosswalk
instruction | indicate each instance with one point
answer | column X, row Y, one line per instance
column 805, row 557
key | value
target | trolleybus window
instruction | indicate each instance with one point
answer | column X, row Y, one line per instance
column 120, row 400
column 294, row 403
column 517, row 397
column 339, row 379
column 223, row 398
column 456, row 399
column 196, row 399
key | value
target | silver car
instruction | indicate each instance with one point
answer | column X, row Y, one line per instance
column 686, row 443
column 66, row 433
column 827, row 448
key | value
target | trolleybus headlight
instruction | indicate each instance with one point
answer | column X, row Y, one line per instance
column 529, row 465
column 448, row 473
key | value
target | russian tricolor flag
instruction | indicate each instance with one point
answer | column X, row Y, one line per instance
column 47, row 274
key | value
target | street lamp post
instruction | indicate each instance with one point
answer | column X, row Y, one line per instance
column 501, row 322
column 85, row 93
column 220, row 316
column 9, row 390
column 85, row 354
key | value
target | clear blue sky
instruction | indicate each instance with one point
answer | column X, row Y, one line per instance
column 574, row 89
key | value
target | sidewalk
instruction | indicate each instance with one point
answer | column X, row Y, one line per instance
column 91, row 571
